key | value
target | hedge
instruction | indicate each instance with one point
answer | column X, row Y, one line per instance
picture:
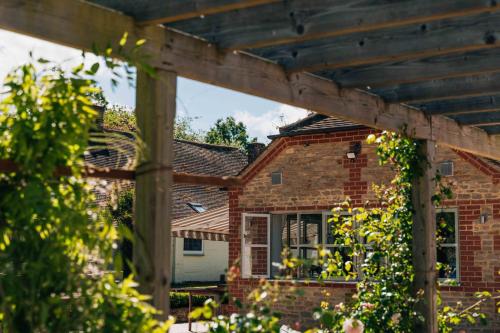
column 181, row 300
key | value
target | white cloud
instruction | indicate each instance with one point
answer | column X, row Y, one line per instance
column 268, row 123
column 15, row 48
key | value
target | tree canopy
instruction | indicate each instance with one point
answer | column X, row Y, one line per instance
column 229, row 132
column 226, row 131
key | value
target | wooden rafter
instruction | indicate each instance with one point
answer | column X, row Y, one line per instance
column 461, row 105
column 417, row 70
column 478, row 119
column 492, row 129
column 473, row 86
column 436, row 38
column 165, row 11
column 286, row 22
column 80, row 25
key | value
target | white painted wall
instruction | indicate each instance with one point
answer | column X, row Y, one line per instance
column 206, row 267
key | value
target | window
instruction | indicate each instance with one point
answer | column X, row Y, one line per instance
column 446, row 168
column 447, row 240
column 301, row 234
column 193, row 246
column 199, row 208
column 276, row 178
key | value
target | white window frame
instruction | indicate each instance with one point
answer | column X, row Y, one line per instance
column 456, row 245
column 246, row 266
column 194, row 253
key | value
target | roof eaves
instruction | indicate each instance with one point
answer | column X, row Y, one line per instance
column 316, row 131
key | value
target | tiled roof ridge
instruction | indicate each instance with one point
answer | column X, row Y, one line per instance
column 207, row 145
column 300, row 122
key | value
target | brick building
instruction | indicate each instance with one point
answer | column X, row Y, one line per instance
column 311, row 165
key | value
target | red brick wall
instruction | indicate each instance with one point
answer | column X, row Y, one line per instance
column 317, row 175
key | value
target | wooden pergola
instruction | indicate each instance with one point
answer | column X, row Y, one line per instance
column 432, row 66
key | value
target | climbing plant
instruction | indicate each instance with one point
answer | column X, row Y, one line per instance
column 379, row 236
column 55, row 246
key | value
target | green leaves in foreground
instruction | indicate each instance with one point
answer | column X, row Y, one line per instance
column 55, row 246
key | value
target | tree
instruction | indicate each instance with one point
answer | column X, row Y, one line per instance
column 183, row 130
column 121, row 118
column 229, row 132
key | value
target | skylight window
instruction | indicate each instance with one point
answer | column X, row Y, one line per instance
column 197, row 207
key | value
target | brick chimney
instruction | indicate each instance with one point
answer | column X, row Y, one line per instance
column 254, row 150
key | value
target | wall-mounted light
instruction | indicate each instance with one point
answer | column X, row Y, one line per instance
column 483, row 218
column 354, row 150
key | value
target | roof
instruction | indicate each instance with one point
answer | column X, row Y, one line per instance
column 208, row 159
column 315, row 123
column 212, row 225
column 118, row 152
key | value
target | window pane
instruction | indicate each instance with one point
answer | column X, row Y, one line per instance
column 446, row 227
column 310, row 227
column 331, row 238
column 447, row 256
column 256, row 230
column 191, row 244
column 345, row 256
column 310, row 269
column 292, row 230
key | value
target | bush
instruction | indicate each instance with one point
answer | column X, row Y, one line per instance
column 181, row 300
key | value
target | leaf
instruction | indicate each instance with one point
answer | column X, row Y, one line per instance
column 94, row 68
column 77, row 69
column 140, row 42
column 123, row 40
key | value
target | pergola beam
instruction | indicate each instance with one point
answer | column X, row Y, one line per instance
column 80, row 24
column 471, row 86
column 478, row 119
column 156, row 103
column 408, row 42
column 417, row 70
column 165, row 11
column 287, row 22
column 461, row 105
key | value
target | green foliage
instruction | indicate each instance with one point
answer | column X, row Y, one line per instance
column 123, row 119
column 380, row 238
column 379, row 235
column 55, row 246
column 183, row 130
column 181, row 300
column 229, row 132
column 120, row 118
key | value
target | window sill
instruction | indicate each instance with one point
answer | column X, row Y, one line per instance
column 193, row 254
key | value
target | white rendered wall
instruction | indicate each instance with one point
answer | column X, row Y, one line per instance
column 206, row 267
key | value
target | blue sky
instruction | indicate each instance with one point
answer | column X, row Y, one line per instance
column 205, row 103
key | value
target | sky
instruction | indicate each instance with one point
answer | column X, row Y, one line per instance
column 202, row 102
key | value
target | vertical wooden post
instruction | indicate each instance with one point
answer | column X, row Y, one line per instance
column 153, row 210
column 424, row 240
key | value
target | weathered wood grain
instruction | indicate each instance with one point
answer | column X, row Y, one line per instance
column 156, row 103
column 478, row 119
column 416, row 70
column 477, row 85
column 286, row 22
column 424, row 240
column 493, row 130
column 414, row 41
column 164, row 11
column 461, row 105
column 79, row 24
